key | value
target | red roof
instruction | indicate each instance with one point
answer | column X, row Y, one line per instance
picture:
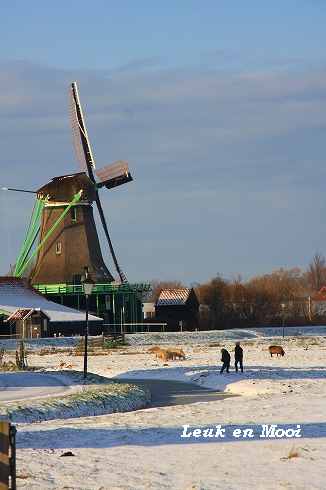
column 321, row 295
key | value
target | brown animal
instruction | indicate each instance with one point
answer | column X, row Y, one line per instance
column 168, row 354
column 276, row 349
column 164, row 355
column 160, row 353
column 154, row 349
column 177, row 353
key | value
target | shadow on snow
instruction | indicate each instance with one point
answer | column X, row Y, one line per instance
column 114, row 437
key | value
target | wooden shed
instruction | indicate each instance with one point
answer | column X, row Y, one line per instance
column 30, row 323
column 178, row 307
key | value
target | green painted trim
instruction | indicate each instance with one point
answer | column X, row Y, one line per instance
column 49, row 233
column 31, row 234
column 98, row 288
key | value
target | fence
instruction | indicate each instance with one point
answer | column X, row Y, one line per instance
column 7, row 456
column 122, row 328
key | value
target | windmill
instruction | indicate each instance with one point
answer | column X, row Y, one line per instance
column 63, row 216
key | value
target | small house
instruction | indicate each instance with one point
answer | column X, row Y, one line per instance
column 27, row 313
column 178, row 307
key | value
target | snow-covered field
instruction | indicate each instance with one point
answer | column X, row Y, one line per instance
column 177, row 338
column 143, row 449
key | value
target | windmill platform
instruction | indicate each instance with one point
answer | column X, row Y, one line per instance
column 117, row 304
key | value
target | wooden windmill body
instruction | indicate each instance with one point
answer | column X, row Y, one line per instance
column 74, row 242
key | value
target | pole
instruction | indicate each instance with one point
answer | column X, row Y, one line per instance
column 122, row 320
column 113, row 310
column 86, row 339
column 4, row 455
column 12, row 461
column 283, row 319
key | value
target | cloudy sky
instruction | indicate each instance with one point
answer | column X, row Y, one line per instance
column 218, row 106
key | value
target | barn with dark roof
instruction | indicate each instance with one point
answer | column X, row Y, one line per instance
column 178, row 307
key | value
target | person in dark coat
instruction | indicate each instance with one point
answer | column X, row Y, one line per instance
column 226, row 359
column 238, row 357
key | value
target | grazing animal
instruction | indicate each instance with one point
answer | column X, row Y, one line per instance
column 276, row 349
column 167, row 354
column 154, row 349
column 164, row 355
column 177, row 353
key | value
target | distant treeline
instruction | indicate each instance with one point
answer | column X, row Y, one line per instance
column 282, row 296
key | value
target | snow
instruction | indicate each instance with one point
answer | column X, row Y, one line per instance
column 14, row 294
column 34, row 396
column 18, row 385
column 40, row 343
column 143, row 449
column 204, row 337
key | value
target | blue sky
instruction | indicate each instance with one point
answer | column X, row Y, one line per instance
column 219, row 107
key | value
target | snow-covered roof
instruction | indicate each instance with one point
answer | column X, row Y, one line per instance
column 175, row 296
column 17, row 294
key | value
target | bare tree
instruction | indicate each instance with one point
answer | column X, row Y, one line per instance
column 317, row 272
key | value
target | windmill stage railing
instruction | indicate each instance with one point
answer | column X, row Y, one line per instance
column 98, row 288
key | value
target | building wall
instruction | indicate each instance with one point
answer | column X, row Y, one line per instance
column 173, row 315
column 73, row 245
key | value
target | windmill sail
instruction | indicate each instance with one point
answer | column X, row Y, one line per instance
column 114, row 175
column 79, row 131
column 87, row 162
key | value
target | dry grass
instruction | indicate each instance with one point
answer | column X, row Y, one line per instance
column 9, row 366
column 23, row 476
column 133, row 353
column 293, row 453
column 52, row 350
column 92, row 352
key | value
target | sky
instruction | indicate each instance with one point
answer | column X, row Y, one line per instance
column 218, row 106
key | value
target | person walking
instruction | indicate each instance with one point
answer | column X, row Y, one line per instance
column 238, row 357
column 226, row 359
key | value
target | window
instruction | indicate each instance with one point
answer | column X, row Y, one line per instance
column 73, row 213
column 58, row 248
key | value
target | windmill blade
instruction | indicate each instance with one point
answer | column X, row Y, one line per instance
column 87, row 162
column 17, row 190
column 81, row 142
column 114, row 175
column 122, row 276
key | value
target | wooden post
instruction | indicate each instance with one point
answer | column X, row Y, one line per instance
column 4, row 455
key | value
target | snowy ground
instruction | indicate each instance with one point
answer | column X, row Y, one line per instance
column 144, row 449
column 17, row 386
column 177, row 338
column 28, row 397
